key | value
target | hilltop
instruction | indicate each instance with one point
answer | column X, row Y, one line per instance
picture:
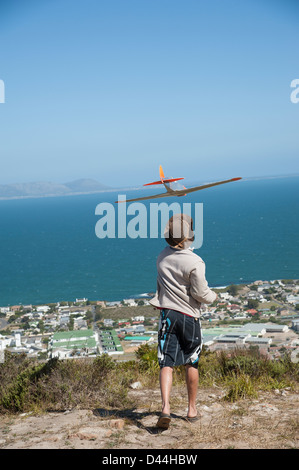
column 48, row 189
column 244, row 401
column 269, row 422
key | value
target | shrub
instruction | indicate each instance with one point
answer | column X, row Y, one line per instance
column 60, row 384
column 240, row 386
column 147, row 358
column 26, row 384
column 239, row 363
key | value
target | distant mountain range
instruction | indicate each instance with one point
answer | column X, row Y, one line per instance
column 47, row 189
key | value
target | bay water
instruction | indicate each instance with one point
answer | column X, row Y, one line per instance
column 49, row 250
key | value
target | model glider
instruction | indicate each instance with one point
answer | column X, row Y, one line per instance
column 175, row 192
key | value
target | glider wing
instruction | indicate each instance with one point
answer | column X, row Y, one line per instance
column 150, row 197
column 198, row 188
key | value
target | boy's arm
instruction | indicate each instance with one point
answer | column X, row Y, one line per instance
column 200, row 290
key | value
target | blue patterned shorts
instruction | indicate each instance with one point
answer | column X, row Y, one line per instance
column 179, row 339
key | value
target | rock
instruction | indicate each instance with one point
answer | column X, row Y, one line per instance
column 57, row 437
column 87, row 436
column 88, row 433
column 205, row 408
column 264, row 408
column 283, row 393
column 216, row 407
column 136, row 385
column 117, row 423
column 234, row 425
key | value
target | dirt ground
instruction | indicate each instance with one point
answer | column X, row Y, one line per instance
column 269, row 422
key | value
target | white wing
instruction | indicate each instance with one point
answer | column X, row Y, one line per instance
column 181, row 192
column 198, row 188
column 149, row 197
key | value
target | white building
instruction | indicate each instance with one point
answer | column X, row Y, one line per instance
column 273, row 328
column 256, row 341
column 240, row 316
column 295, row 325
column 10, row 341
column 116, row 303
column 225, row 296
column 17, row 340
column 293, row 299
column 5, row 341
column 4, row 309
column 80, row 324
column 61, row 353
column 64, row 319
column 42, row 308
column 139, row 318
column 231, row 338
column 130, row 302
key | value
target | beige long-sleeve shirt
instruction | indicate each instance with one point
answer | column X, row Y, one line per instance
column 181, row 282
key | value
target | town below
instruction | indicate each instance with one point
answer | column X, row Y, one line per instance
column 263, row 315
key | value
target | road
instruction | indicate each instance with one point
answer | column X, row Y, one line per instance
column 3, row 323
column 285, row 305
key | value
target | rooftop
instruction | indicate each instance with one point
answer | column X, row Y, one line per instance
column 137, row 338
column 75, row 344
column 75, row 334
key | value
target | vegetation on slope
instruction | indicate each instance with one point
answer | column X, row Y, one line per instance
column 28, row 385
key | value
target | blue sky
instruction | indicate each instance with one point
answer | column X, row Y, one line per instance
column 112, row 89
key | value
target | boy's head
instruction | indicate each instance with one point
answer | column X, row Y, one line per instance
column 179, row 231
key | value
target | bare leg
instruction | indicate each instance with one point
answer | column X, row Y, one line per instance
column 192, row 387
column 165, row 387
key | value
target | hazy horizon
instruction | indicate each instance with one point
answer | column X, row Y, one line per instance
column 118, row 188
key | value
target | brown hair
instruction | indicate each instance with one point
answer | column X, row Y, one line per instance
column 179, row 229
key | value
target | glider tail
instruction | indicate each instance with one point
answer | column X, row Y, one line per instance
column 162, row 178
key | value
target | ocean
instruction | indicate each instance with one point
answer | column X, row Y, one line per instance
column 49, row 250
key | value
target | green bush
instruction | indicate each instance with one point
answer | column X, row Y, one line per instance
column 147, row 358
column 240, row 386
column 30, row 385
column 240, row 364
column 60, row 384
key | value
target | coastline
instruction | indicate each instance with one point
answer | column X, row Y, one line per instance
column 135, row 188
column 150, row 294
column 8, row 198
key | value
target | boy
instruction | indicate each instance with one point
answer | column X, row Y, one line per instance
column 181, row 288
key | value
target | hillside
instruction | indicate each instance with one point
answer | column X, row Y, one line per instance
column 244, row 401
column 46, row 189
column 268, row 422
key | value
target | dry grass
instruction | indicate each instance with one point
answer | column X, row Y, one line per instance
column 27, row 385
